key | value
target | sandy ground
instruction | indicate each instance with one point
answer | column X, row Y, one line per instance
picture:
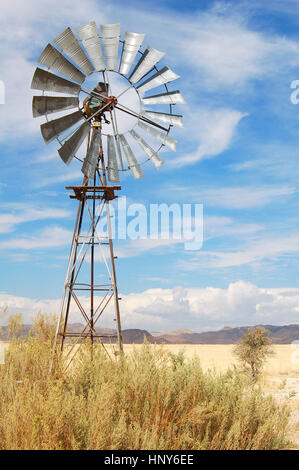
column 284, row 361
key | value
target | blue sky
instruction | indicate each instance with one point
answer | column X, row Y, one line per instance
column 237, row 155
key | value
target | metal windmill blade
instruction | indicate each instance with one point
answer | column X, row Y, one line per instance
column 47, row 81
column 43, row 105
column 51, row 58
column 150, row 58
column 72, row 145
column 154, row 157
column 172, row 97
column 131, row 46
column 113, row 173
column 90, row 39
column 132, row 161
column 111, row 34
column 91, row 160
column 52, row 129
column 164, row 138
column 118, row 148
column 171, row 119
column 165, row 75
column 68, row 43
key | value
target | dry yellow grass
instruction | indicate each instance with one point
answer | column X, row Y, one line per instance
column 166, row 403
column 280, row 377
column 149, row 399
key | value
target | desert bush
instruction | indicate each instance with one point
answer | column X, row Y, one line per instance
column 44, row 327
column 146, row 400
column 253, row 350
column 15, row 327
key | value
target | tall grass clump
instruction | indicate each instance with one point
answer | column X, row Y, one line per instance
column 149, row 399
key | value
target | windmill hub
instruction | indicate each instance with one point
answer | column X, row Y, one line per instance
column 112, row 100
column 98, row 103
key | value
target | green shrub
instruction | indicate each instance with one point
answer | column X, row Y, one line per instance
column 253, row 350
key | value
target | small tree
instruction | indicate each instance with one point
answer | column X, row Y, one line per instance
column 253, row 350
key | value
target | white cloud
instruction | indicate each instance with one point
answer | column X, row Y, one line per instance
column 243, row 197
column 68, row 175
column 49, row 237
column 134, row 248
column 215, row 227
column 241, row 303
column 243, row 166
column 244, row 303
column 16, row 72
column 227, row 52
column 19, row 257
column 21, row 213
column 214, row 129
column 28, row 307
column 231, row 197
column 255, row 251
column 272, row 160
column 48, row 155
column 158, row 279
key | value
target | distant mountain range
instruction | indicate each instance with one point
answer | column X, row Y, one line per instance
column 279, row 334
column 285, row 334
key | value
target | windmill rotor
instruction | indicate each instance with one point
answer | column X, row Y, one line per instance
column 76, row 59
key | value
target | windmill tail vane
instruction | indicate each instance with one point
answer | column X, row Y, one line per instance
column 97, row 117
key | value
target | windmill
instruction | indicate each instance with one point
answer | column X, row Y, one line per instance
column 108, row 124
